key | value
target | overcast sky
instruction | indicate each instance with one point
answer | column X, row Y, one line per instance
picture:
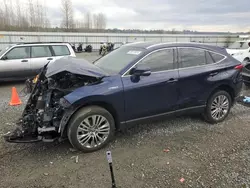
column 201, row 15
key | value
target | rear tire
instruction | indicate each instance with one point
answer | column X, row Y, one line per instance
column 91, row 128
column 218, row 107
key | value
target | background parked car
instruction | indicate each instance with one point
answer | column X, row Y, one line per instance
column 22, row 61
column 240, row 50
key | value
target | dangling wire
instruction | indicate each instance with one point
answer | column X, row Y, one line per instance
column 27, row 89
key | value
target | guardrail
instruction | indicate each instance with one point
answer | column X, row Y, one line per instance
column 7, row 38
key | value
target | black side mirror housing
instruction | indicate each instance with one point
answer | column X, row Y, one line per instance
column 141, row 70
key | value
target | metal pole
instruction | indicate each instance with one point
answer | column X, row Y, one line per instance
column 109, row 158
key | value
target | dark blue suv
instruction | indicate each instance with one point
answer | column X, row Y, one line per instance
column 87, row 102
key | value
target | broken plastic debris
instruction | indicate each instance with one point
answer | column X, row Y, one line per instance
column 166, row 150
column 182, row 180
column 72, row 149
column 76, row 157
column 6, row 133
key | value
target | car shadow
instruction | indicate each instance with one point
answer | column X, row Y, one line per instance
column 64, row 148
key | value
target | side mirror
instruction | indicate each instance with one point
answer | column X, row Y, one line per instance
column 4, row 58
column 141, row 70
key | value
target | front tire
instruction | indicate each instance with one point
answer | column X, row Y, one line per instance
column 91, row 128
column 218, row 107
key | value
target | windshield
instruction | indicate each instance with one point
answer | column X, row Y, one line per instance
column 240, row 45
column 4, row 50
column 118, row 59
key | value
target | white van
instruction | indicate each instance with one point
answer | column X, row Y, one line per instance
column 240, row 50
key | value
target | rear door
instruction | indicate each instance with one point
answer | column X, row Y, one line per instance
column 40, row 55
column 60, row 51
column 15, row 64
column 199, row 72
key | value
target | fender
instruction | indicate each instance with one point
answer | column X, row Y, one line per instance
column 93, row 94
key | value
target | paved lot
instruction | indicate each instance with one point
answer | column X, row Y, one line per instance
column 204, row 155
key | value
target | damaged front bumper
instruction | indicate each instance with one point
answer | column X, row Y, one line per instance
column 47, row 112
column 41, row 117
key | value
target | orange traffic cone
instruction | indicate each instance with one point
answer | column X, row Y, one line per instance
column 15, row 100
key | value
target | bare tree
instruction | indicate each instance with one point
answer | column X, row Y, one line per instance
column 99, row 21
column 102, row 21
column 32, row 15
column 12, row 14
column 95, row 21
column 46, row 20
column 88, row 20
column 2, row 21
column 28, row 15
column 18, row 14
column 68, row 17
column 6, row 15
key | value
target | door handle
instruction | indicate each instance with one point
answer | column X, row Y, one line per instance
column 25, row 60
column 50, row 58
column 213, row 73
column 172, row 80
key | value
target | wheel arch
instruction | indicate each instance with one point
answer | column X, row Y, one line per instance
column 107, row 106
column 224, row 87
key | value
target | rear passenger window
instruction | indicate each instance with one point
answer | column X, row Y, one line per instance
column 190, row 57
column 216, row 57
column 61, row 50
column 40, row 51
column 160, row 61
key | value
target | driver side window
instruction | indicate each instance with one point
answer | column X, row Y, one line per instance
column 161, row 60
column 18, row 53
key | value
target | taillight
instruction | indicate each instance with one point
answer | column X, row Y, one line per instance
column 239, row 67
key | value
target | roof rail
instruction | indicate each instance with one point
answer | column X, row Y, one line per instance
column 39, row 42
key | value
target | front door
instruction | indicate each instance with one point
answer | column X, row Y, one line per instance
column 15, row 64
column 154, row 94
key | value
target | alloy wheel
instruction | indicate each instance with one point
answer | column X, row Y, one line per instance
column 220, row 107
column 93, row 131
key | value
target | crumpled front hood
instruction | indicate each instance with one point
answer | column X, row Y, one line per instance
column 74, row 66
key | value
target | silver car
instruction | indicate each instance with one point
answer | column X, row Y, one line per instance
column 22, row 61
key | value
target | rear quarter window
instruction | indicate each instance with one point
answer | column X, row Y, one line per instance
column 61, row 50
column 216, row 57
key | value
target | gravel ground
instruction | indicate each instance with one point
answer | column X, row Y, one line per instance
column 203, row 155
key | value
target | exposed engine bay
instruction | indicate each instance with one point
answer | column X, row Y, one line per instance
column 46, row 106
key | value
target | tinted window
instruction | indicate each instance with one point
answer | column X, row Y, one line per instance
column 40, row 51
column 216, row 57
column 18, row 53
column 191, row 57
column 209, row 58
column 160, row 60
column 61, row 50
